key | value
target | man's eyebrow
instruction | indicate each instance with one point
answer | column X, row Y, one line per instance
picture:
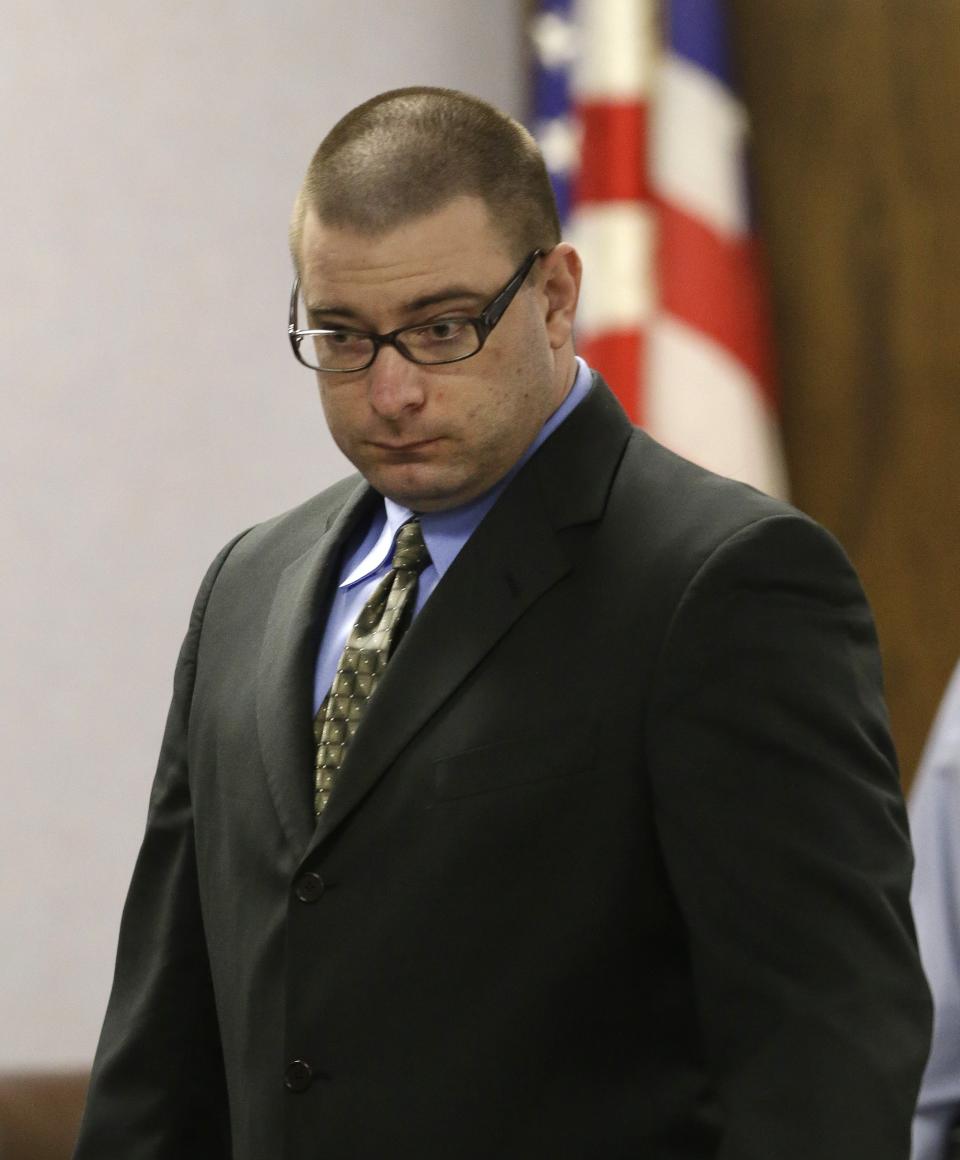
column 339, row 311
column 447, row 294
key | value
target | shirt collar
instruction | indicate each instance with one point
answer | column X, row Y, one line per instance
column 445, row 532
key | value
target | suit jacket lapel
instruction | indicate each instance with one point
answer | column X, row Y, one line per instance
column 286, row 671
column 509, row 562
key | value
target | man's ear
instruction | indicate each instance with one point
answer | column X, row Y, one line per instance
column 561, row 290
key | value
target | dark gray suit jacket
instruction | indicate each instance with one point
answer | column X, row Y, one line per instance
column 617, row 865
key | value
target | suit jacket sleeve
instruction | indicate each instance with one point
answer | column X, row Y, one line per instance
column 783, row 828
column 157, row 1089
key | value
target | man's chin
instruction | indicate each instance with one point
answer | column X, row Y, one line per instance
column 421, row 489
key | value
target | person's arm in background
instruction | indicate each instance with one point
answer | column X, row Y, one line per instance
column 935, row 821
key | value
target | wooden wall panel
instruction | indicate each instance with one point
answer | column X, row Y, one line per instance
column 854, row 105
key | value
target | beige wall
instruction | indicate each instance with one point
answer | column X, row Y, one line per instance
column 149, row 405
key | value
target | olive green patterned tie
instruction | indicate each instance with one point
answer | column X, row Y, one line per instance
column 372, row 639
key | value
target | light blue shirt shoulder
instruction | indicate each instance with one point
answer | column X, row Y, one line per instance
column 935, row 824
column 444, row 532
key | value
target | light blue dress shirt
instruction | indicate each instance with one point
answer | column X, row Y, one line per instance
column 445, row 533
column 935, row 823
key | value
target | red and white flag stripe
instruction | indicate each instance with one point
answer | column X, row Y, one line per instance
column 672, row 312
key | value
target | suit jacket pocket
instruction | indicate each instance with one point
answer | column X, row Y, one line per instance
column 504, row 765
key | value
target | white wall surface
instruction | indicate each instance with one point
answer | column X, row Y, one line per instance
column 149, row 403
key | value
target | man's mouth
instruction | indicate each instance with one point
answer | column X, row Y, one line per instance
column 405, row 448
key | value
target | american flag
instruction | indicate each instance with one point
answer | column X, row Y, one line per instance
column 644, row 137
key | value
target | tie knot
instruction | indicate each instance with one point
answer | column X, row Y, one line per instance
column 409, row 551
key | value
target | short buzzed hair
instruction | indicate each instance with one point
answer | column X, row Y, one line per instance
column 410, row 151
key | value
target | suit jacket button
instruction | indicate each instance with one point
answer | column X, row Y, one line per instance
column 308, row 887
column 298, row 1076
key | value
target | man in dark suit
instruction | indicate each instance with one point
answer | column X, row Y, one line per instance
column 530, row 794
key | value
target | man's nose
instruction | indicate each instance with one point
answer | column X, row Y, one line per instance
column 394, row 384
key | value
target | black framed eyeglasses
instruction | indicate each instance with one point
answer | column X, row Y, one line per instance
column 340, row 350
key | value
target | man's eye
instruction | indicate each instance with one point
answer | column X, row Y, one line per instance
column 441, row 331
column 341, row 338
column 337, row 348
